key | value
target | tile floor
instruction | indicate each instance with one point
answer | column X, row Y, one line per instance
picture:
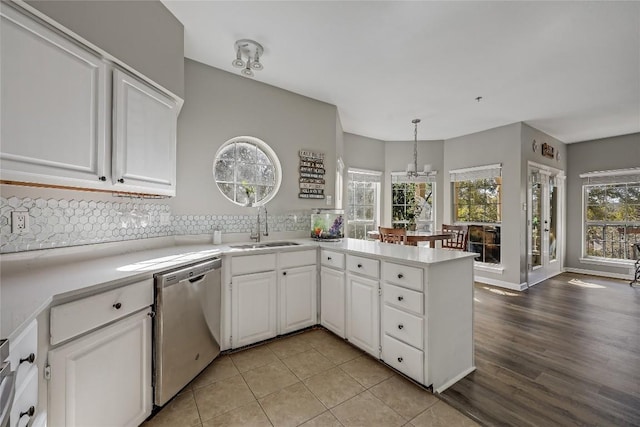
column 310, row 379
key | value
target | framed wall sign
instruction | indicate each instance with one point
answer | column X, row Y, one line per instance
column 548, row 151
column 312, row 172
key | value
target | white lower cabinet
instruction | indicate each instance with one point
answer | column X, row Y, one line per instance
column 297, row 288
column 103, row 378
column 363, row 326
column 253, row 308
column 332, row 300
column 405, row 358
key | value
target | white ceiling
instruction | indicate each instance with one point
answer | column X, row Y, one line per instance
column 570, row 69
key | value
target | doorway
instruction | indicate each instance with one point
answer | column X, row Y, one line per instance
column 545, row 212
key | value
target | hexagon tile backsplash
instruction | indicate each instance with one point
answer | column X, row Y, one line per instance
column 60, row 223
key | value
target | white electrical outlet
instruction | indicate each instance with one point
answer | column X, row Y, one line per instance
column 19, row 222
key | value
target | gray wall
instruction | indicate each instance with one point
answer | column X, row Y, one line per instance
column 398, row 154
column 618, row 152
column 142, row 34
column 219, row 106
column 499, row 145
column 361, row 152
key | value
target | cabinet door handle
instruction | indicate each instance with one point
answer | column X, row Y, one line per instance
column 359, row 265
column 102, row 178
column 400, row 359
column 400, row 275
column 328, row 258
column 400, row 326
column 400, row 298
column 117, row 306
column 30, row 358
column 29, row 412
column 121, row 180
column 151, row 314
column 284, row 273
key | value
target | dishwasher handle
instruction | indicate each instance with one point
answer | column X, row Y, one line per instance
column 199, row 278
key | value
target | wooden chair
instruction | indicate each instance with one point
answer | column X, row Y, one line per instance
column 459, row 236
column 392, row 235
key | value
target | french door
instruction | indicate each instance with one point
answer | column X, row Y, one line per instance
column 544, row 223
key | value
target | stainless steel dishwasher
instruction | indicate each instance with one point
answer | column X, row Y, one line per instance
column 186, row 325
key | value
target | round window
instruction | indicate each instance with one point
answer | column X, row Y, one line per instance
column 247, row 171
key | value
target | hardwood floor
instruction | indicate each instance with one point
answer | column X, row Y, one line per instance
column 565, row 352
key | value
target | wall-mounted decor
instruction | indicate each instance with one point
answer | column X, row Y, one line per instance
column 534, row 146
column 548, row 151
column 311, row 175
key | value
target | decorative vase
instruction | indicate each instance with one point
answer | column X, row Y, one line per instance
column 412, row 227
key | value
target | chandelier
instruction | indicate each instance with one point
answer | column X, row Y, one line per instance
column 412, row 168
column 252, row 51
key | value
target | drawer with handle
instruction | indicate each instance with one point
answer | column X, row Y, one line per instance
column 365, row 266
column 403, row 298
column 403, row 326
column 403, row 275
column 80, row 316
column 332, row 259
column 403, row 357
column 24, row 352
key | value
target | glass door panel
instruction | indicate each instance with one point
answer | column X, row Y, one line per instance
column 543, row 223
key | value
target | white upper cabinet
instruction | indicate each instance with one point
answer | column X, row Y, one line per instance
column 54, row 107
column 58, row 128
column 144, row 137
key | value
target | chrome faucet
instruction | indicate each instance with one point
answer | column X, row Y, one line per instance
column 256, row 236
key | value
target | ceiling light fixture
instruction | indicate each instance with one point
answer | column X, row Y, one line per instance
column 252, row 51
column 412, row 168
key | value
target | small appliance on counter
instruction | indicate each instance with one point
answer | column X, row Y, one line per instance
column 327, row 224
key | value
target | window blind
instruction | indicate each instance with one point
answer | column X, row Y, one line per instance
column 401, row 177
column 361, row 175
column 618, row 176
column 478, row 172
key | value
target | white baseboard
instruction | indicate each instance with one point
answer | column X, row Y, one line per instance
column 501, row 283
column 454, row 380
column 599, row 273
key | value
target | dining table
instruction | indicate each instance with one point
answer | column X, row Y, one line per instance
column 413, row 237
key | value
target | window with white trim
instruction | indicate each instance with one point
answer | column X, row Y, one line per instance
column 611, row 214
column 412, row 201
column 363, row 194
column 247, row 171
column 477, row 203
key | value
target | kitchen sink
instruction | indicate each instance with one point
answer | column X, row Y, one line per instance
column 264, row 245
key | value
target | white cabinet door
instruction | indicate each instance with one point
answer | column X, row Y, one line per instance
column 144, row 137
column 104, row 378
column 363, row 325
column 332, row 300
column 297, row 298
column 253, row 308
column 54, row 107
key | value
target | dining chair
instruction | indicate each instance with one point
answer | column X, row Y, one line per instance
column 392, row 235
column 459, row 236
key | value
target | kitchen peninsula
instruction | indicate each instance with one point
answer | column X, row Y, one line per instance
column 411, row 307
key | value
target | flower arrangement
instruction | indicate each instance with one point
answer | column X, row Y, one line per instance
column 249, row 191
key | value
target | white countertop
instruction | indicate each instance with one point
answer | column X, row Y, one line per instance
column 32, row 281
